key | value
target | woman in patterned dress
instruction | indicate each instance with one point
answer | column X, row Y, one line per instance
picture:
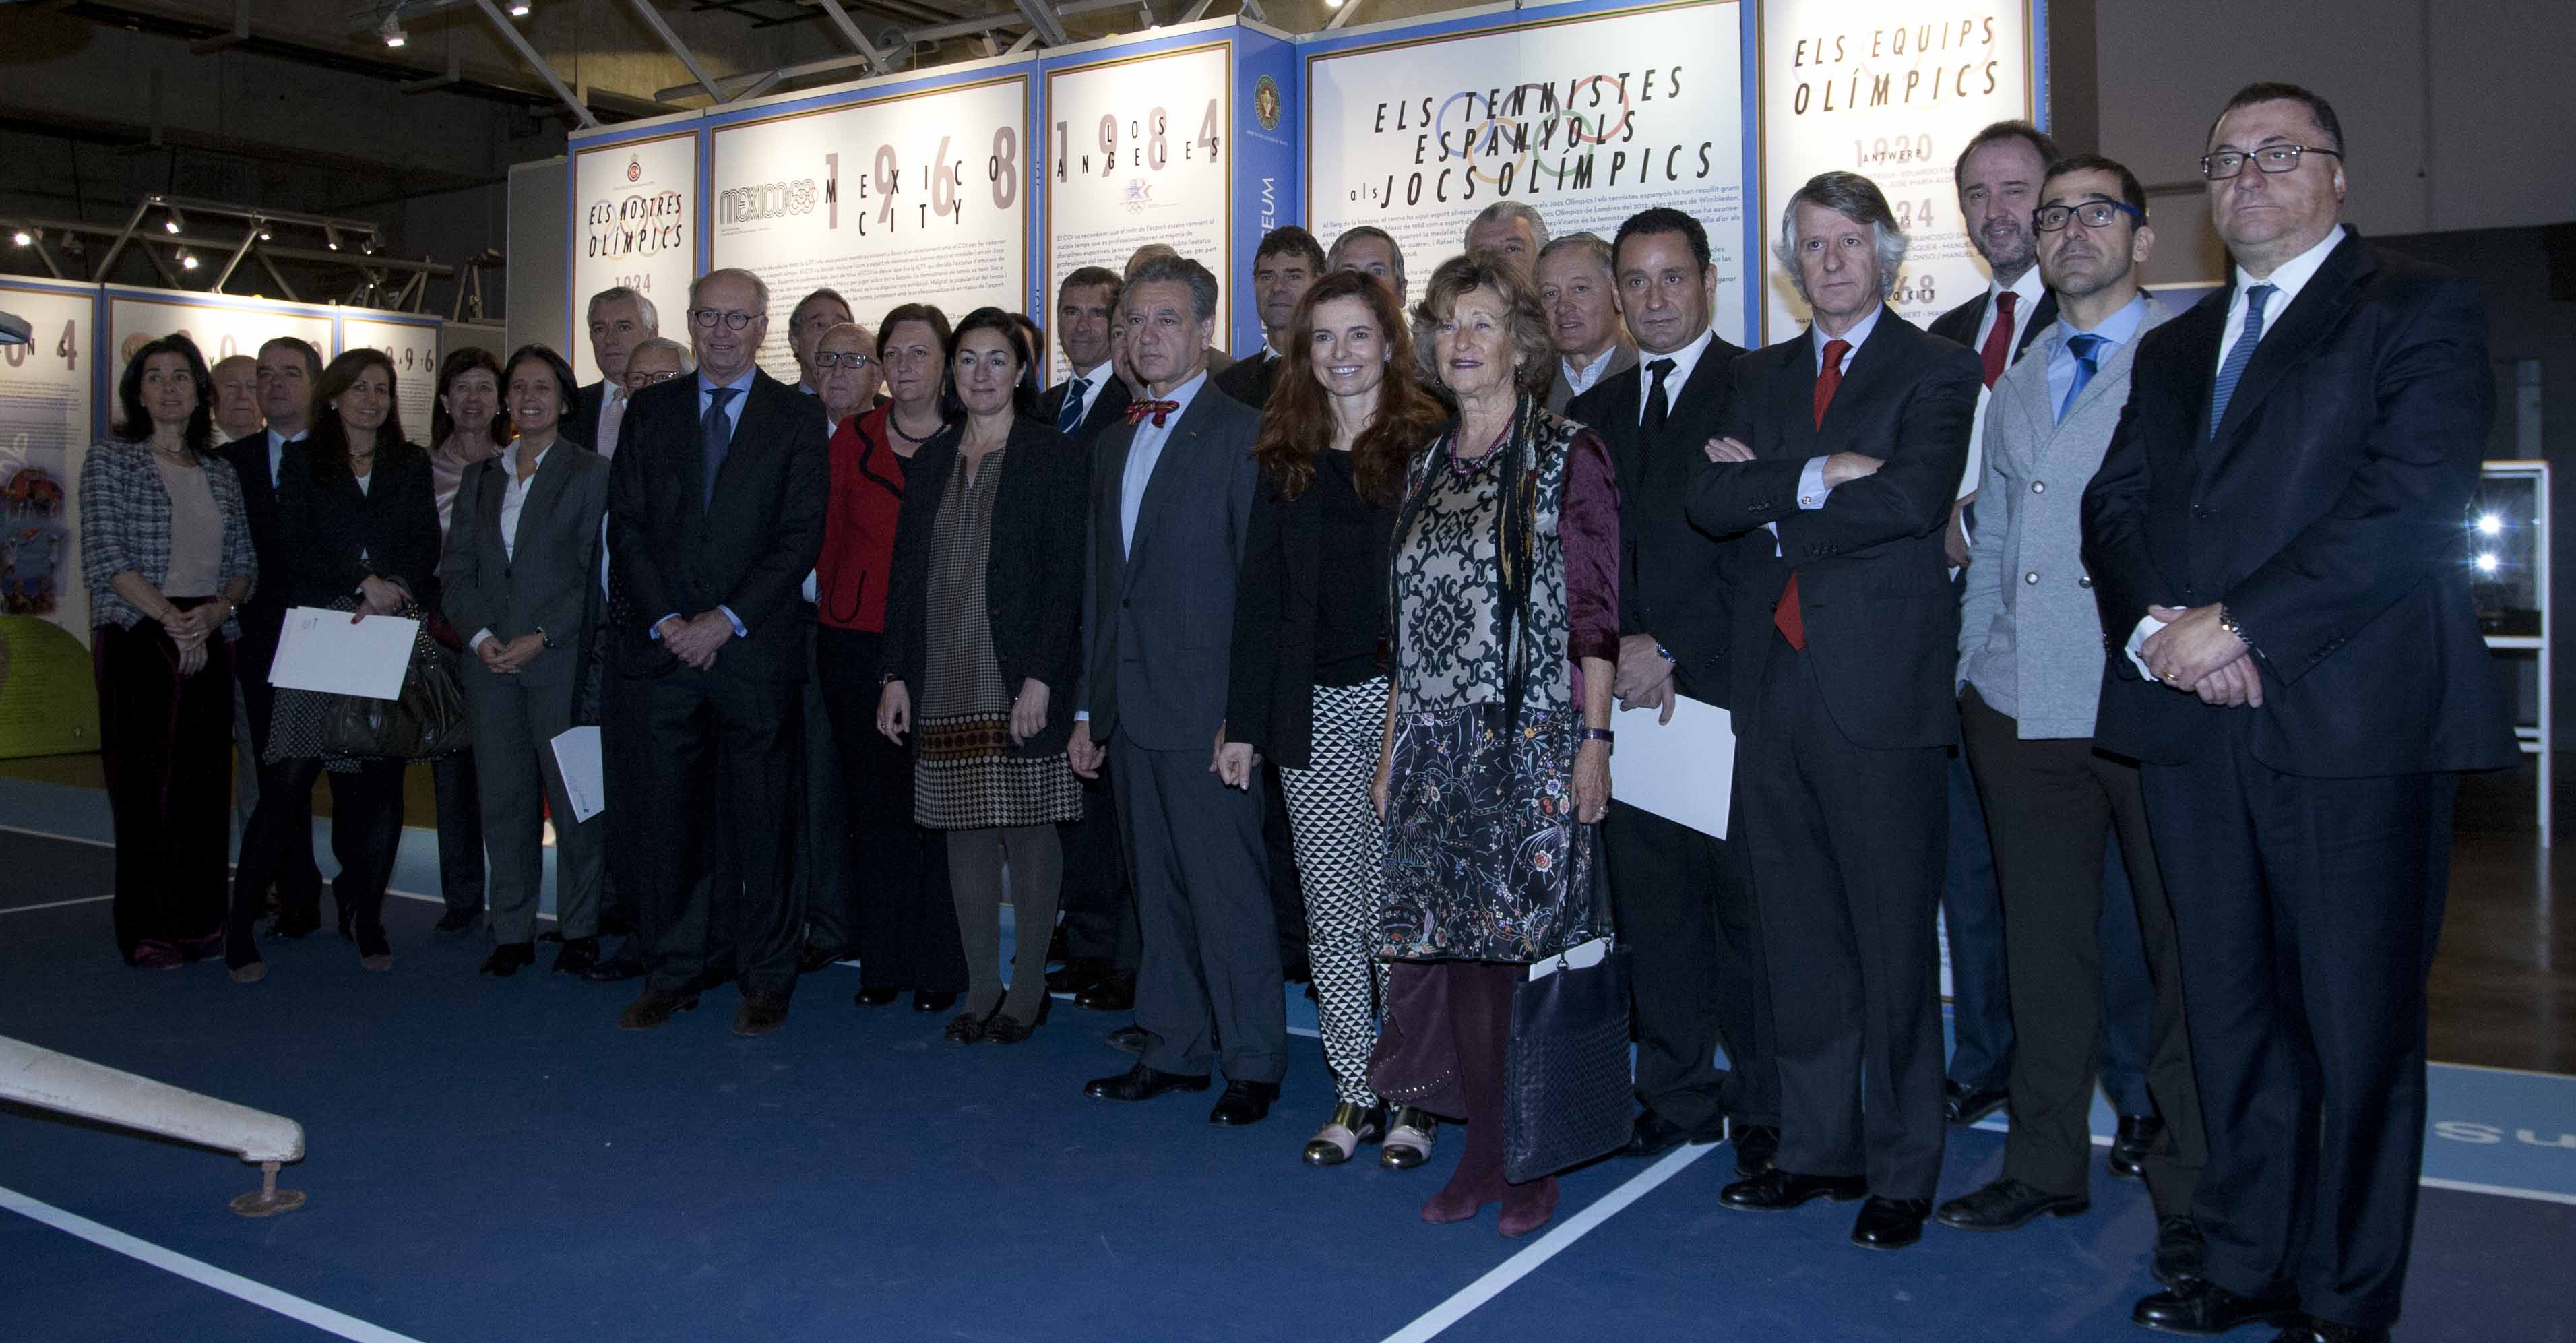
column 983, row 640
column 1496, row 763
column 1308, row 667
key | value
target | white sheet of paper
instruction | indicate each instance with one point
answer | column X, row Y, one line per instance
column 577, row 755
column 320, row 650
column 1683, row 771
column 1580, row 956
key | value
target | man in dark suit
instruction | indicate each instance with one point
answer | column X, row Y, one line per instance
column 1680, row 896
column 1171, row 502
column 2275, row 543
column 1998, row 177
column 618, row 320
column 1577, row 286
column 716, row 501
column 288, row 368
column 1287, row 262
column 1846, row 449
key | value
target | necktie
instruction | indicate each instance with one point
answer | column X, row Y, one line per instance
column 1787, row 617
column 1070, row 418
column 1658, row 401
column 718, row 433
column 1160, row 410
column 1998, row 352
column 2239, row 354
column 2087, row 349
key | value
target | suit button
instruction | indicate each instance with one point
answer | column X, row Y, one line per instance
column 1806, row 501
column 1123, row 603
column 2084, row 582
column 2039, row 487
column 2031, row 577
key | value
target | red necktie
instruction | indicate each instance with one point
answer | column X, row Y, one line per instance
column 1786, row 617
column 1998, row 351
column 1138, row 410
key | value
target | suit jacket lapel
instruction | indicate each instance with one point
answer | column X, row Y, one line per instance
column 2295, row 330
column 1708, row 378
column 1169, row 466
column 1793, row 393
column 1871, row 365
column 549, row 483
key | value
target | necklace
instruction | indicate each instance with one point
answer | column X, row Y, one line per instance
column 916, row 441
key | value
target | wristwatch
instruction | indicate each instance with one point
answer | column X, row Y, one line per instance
column 1603, row 735
column 2227, row 622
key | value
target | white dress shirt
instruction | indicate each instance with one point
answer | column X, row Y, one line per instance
column 1579, row 378
column 1684, row 360
column 514, row 499
column 2027, row 293
column 1092, row 380
column 1812, row 489
column 1145, row 449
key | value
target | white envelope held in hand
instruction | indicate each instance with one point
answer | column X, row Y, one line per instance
column 323, row 650
column 577, row 755
column 1684, row 770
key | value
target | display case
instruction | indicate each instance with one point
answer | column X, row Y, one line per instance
column 2505, row 544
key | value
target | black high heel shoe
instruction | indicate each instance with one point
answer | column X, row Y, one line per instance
column 966, row 1028
column 1005, row 1029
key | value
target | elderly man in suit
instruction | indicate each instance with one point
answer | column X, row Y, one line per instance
column 1171, row 499
column 2030, row 664
column 1680, row 896
column 2274, row 539
column 1577, row 286
column 1846, row 447
column 617, row 320
column 715, row 517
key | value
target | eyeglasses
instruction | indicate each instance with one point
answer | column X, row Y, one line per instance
column 650, row 378
column 2227, row 163
column 2095, row 214
column 708, row 317
column 842, row 359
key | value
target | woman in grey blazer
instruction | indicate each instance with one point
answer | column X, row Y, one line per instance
column 522, row 553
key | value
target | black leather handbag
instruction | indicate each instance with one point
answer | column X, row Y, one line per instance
column 1565, row 1072
column 428, row 719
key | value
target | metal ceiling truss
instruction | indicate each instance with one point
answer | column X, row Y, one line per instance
column 385, row 281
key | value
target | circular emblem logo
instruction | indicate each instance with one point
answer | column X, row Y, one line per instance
column 634, row 168
column 1265, row 102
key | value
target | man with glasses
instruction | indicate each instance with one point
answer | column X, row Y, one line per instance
column 815, row 314
column 619, row 320
column 2274, row 543
column 715, row 516
column 2030, row 657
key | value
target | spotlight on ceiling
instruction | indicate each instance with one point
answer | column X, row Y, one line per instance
column 2490, row 524
column 519, row 8
column 2489, row 563
column 331, row 237
column 187, row 261
column 23, row 238
column 391, row 29
column 172, row 224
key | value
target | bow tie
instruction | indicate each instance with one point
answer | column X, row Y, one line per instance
column 1160, row 410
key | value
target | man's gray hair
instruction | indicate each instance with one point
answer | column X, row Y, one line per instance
column 623, row 294
column 1356, row 232
column 1589, row 243
column 664, row 345
column 759, row 287
column 1527, row 214
column 1857, row 199
column 1181, row 270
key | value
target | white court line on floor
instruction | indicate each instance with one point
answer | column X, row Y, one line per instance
column 1547, row 1247
column 2500, row 1190
column 110, row 844
column 58, row 904
column 200, row 1272
column 57, row 834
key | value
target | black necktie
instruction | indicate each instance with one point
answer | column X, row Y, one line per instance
column 1658, row 401
column 718, row 431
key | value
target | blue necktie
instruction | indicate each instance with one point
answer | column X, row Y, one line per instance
column 2087, row 349
column 718, row 431
column 1070, row 418
column 2239, row 354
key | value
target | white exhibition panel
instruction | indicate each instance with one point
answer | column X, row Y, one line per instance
column 222, row 325
column 635, row 218
column 45, row 431
column 919, row 196
column 414, row 349
column 1890, row 89
column 1139, row 150
column 1588, row 118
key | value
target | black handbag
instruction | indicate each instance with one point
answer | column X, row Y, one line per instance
column 428, row 719
column 1565, row 1071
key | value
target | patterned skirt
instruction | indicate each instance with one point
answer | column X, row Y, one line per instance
column 967, row 779
column 1485, row 860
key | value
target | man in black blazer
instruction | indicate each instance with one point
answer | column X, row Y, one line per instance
column 618, row 319
column 2276, row 539
column 1171, row 505
column 288, row 368
column 1846, row 449
column 1286, row 264
column 1680, row 896
column 716, row 499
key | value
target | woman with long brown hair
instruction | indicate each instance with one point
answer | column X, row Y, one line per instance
column 1308, row 678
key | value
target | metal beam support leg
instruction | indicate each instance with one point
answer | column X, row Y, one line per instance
column 1343, row 15
column 275, row 276
column 653, row 19
column 501, row 24
column 250, row 237
column 850, row 31
column 107, row 264
column 1041, row 16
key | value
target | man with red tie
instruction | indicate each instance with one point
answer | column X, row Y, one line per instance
column 1845, row 443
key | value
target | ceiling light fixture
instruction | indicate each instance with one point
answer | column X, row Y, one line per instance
column 391, row 29
column 23, row 238
column 519, row 8
column 331, row 237
column 187, row 261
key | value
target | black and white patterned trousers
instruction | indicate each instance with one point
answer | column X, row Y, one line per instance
column 1341, row 854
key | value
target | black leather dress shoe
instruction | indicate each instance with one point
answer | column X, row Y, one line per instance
column 506, row 959
column 1130, row 1039
column 578, row 957
column 655, row 1008
column 2203, row 1307
column 877, row 997
column 457, row 921
column 814, row 958
column 2181, row 1255
column 2310, row 1329
column 1653, row 1135
column 2129, row 1146
column 925, row 1000
column 292, row 929
column 1113, row 993
column 1890, row 1223
column 1076, row 975
column 762, row 1012
column 1965, row 1105
column 1141, row 1083
column 2006, row 1205
column 1779, row 1190
column 1244, row 1103
column 625, row 964
column 1757, row 1148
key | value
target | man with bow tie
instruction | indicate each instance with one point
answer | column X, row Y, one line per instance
column 1171, row 499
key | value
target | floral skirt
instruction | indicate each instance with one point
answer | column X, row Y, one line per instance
column 1484, row 858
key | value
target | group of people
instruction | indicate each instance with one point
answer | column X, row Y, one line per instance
column 2154, row 616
